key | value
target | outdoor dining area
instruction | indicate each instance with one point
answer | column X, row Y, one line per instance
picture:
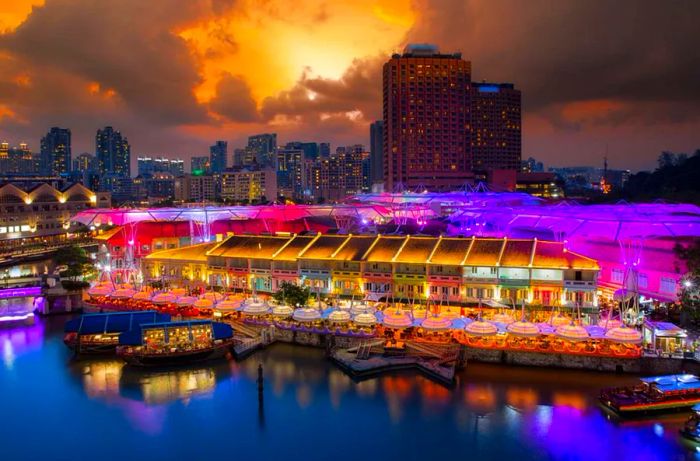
column 502, row 328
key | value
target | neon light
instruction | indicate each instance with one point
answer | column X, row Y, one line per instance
column 20, row 292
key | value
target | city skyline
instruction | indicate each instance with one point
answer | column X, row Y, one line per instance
column 234, row 70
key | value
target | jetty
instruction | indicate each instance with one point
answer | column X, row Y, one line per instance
column 369, row 359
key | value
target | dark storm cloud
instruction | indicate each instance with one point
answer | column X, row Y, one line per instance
column 359, row 89
column 234, row 101
column 564, row 51
column 127, row 46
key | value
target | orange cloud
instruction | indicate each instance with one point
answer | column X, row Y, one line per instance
column 592, row 111
column 14, row 12
column 272, row 45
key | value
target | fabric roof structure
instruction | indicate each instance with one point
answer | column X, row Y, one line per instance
column 526, row 329
column 503, row 318
column 481, row 328
column 187, row 301
column 143, row 295
column 164, row 298
column 436, row 323
column 339, row 316
column 122, row 293
column 365, row 319
column 572, row 332
column 306, row 314
column 227, row 305
column 100, row 290
column 624, row 335
column 282, row 310
column 253, row 306
column 396, row 319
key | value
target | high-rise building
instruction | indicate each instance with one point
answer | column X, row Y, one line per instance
column 426, row 119
column 376, row 152
column 495, row 140
column 218, row 154
column 113, row 153
column 147, row 166
column 18, row 160
column 291, row 173
column 263, row 147
column 193, row 188
column 254, row 185
column 324, row 149
column 200, row 165
column 56, row 152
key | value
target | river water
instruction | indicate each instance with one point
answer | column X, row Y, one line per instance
column 57, row 408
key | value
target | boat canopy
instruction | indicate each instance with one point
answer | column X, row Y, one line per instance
column 112, row 322
column 670, row 383
column 134, row 337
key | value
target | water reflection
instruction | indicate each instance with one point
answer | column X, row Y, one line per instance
column 491, row 413
column 112, row 380
column 17, row 341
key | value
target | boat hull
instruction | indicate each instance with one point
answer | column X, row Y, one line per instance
column 89, row 348
column 176, row 358
column 661, row 406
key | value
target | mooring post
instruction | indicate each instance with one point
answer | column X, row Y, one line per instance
column 260, row 381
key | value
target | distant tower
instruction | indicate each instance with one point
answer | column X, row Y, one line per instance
column 218, row 157
column 113, row 153
column 56, row 151
column 604, row 185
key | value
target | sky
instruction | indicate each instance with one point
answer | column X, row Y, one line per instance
column 615, row 76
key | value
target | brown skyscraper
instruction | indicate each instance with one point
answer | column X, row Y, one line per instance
column 427, row 119
column 495, row 138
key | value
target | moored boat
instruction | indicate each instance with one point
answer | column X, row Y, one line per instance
column 99, row 333
column 171, row 343
column 654, row 394
column 691, row 428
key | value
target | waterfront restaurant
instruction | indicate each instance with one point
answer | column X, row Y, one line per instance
column 449, row 270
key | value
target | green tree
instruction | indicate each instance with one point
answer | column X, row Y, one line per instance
column 76, row 261
column 292, row 294
column 690, row 283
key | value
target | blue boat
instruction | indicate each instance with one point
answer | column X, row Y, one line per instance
column 654, row 394
column 99, row 333
column 172, row 343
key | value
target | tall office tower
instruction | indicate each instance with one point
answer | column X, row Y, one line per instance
column 350, row 168
column 113, row 153
column 218, row 156
column 376, row 153
column 427, row 136
column 496, row 128
column 56, row 151
column 200, row 165
column 263, row 146
column 291, row 173
column 324, row 149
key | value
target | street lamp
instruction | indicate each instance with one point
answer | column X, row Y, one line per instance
column 687, row 284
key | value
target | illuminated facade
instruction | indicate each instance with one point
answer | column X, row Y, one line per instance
column 427, row 135
column 113, row 153
column 249, row 186
column 450, row 270
column 56, row 152
column 495, row 142
column 629, row 241
column 41, row 211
